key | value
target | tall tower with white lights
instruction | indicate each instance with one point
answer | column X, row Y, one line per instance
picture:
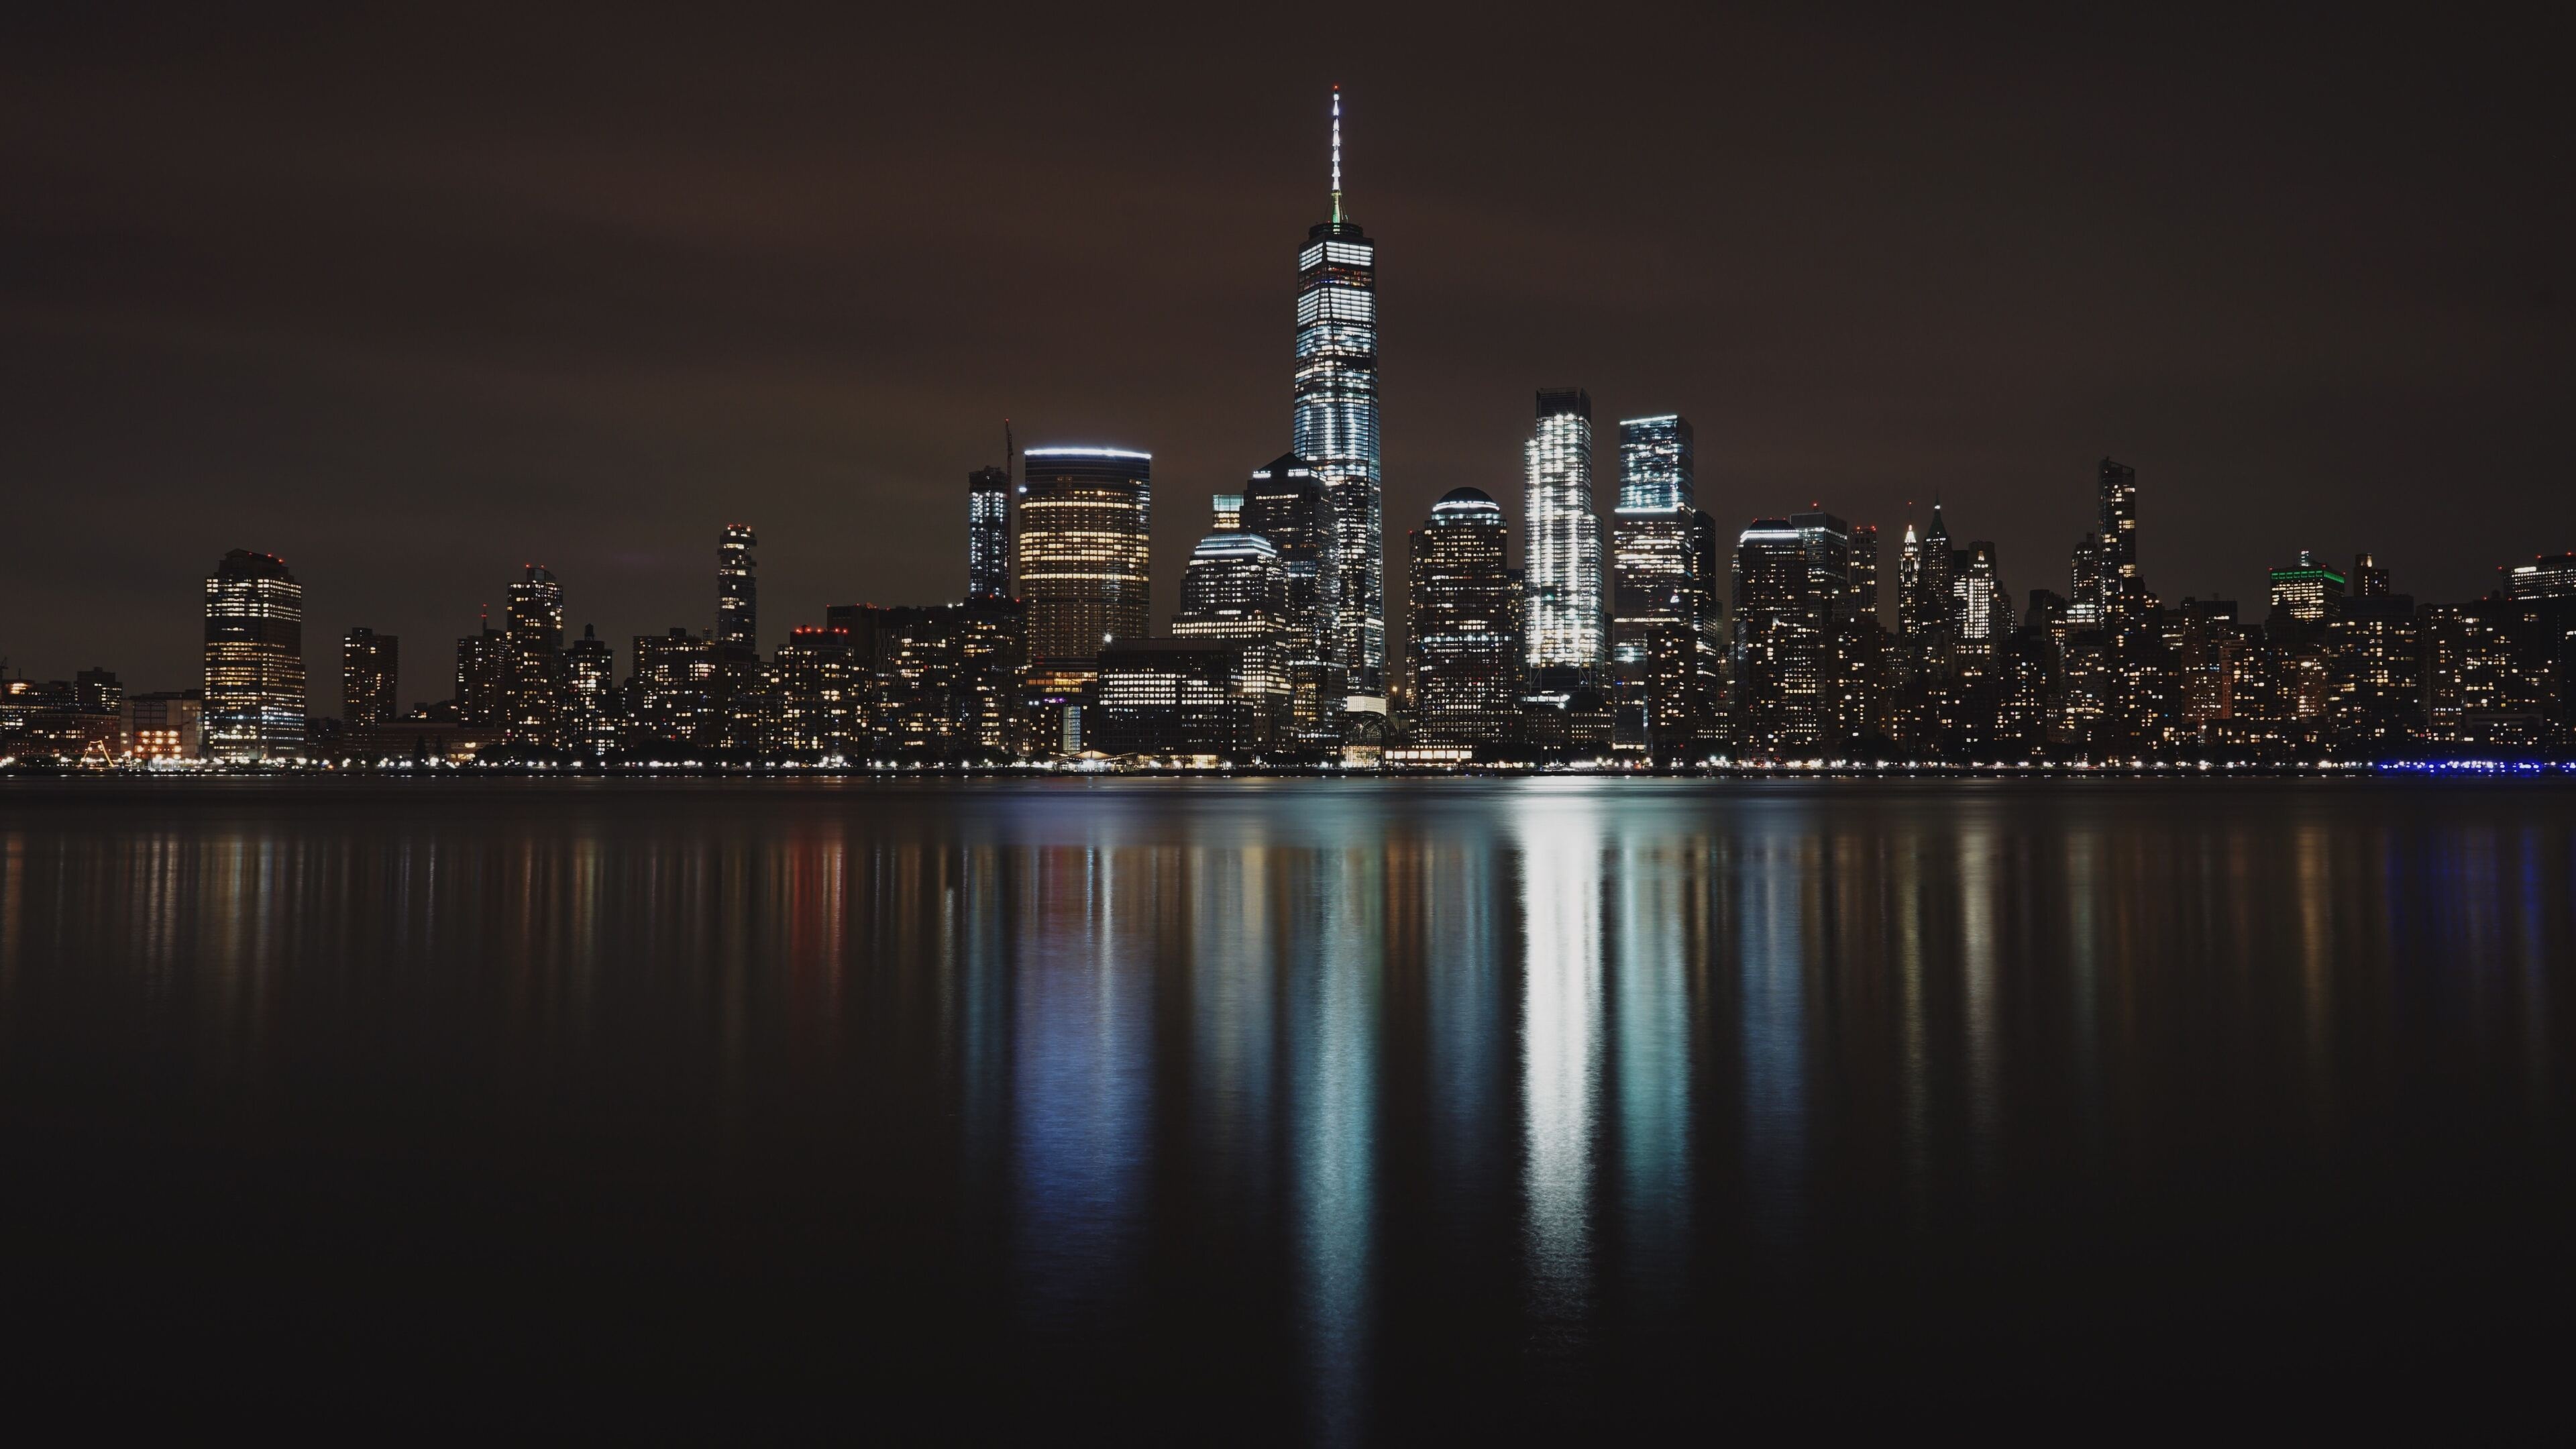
column 1335, row 428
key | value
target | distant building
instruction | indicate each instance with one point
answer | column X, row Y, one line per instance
column 671, row 696
column 254, row 699
column 592, row 707
column 1173, row 697
column 370, row 678
column 2117, row 486
column 482, row 678
column 1235, row 590
column 164, row 726
column 821, row 681
column 1564, row 614
column 744, row 707
column 988, row 533
column 1779, row 641
column 2305, row 595
column 1086, row 563
column 2550, row 576
column 1665, row 644
column 1463, row 633
column 533, row 651
column 1285, row 502
column 948, row 681
column 1335, row 427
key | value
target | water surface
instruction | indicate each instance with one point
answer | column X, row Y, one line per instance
column 1286, row 1111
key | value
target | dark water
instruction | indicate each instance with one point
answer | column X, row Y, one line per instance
column 1286, row 1111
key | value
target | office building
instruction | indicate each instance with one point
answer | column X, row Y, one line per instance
column 370, row 678
column 1564, row 613
column 1335, row 427
column 988, row 533
column 1086, row 526
column 1463, row 635
column 164, row 726
column 1665, row 645
column 1235, row 590
column 1778, row 644
column 1173, row 697
column 2304, row 596
column 254, row 699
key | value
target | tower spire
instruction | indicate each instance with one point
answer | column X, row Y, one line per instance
column 1337, row 154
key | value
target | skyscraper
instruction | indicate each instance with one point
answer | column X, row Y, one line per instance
column 482, row 677
column 1656, row 464
column 1779, row 640
column 254, row 659
column 534, row 671
column 1335, row 424
column 1235, row 590
column 988, row 533
column 590, row 694
column 1285, row 502
column 2119, row 491
column 1086, row 568
column 737, row 596
column 1564, row 614
column 370, row 678
column 1461, row 633
column 1664, row 646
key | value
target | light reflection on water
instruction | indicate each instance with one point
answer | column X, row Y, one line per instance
column 1338, row 1098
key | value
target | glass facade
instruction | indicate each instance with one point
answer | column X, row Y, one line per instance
column 1335, row 426
column 988, row 533
column 1563, row 607
column 254, row 707
column 1655, row 464
column 1236, row 590
column 1086, row 567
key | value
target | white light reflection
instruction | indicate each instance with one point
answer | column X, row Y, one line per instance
column 1561, row 1043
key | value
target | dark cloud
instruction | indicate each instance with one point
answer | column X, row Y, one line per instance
column 414, row 300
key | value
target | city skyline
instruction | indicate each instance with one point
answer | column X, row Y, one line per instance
column 405, row 519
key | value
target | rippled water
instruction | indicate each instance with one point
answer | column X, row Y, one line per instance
column 1297, row 1110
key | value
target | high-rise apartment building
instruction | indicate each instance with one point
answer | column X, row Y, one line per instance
column 1086, row 563
column 2118, row 489
column 483, row 678
column 671, row 697
column 254, row 704
column 1335, row 427
column 590, row 698
column 737, row 595
column 533, row 688
column 1564, row 616
column 988, row 533
column 820, row 681
column 1463, row 633
column 370, row 678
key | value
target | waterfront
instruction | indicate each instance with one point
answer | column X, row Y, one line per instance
column 1336, row 1109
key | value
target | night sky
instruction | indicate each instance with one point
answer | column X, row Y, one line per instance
column 412, row 303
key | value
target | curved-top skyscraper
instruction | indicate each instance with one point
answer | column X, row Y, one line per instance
column 1336, row 423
